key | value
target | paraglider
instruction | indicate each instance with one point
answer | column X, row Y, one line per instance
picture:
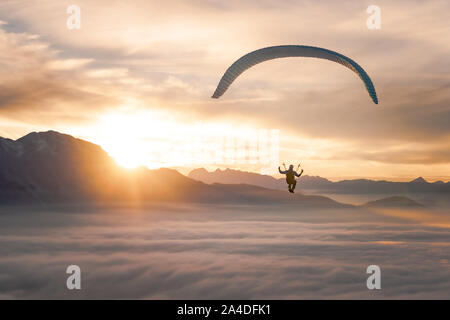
column 290, row 176
column 269, row 53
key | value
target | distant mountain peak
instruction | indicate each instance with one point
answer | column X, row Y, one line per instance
column 394, row 201
column 419, row 180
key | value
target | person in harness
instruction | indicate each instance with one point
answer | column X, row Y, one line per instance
column 290, row 176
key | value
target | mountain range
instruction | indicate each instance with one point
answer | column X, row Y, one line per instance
column 319, row 184
column 51, row 167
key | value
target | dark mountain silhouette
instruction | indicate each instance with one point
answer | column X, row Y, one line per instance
column 229, row 176
column 318, row 184
column 50, row 167
column 394, row 202
column 419, row 180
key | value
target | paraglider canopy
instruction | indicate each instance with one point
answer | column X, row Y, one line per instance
column 269, row 53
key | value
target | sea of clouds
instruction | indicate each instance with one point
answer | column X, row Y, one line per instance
column 207, row 252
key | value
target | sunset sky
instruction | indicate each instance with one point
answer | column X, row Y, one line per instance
column 138, row 76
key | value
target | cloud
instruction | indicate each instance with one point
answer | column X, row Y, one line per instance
column 37, row 86
column 68, row 64
column 216, row 253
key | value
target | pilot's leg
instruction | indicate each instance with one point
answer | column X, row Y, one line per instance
column 293, row 185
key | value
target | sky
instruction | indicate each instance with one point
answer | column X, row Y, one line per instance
column 137, row 77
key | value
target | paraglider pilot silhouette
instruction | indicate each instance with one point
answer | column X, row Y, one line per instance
column 290, row 176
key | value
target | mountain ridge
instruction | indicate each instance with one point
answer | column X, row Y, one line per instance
column 317, row 183
column 51, row 167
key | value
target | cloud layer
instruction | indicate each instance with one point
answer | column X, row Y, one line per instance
column 227, row 253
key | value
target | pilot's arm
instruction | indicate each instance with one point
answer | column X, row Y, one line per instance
column 282, row 172
column 299, row 174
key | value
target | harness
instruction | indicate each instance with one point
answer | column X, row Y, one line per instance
column 290, row 177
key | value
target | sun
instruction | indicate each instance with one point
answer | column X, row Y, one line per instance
column 156, row 139
column 127, row 155
column 123, row 138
